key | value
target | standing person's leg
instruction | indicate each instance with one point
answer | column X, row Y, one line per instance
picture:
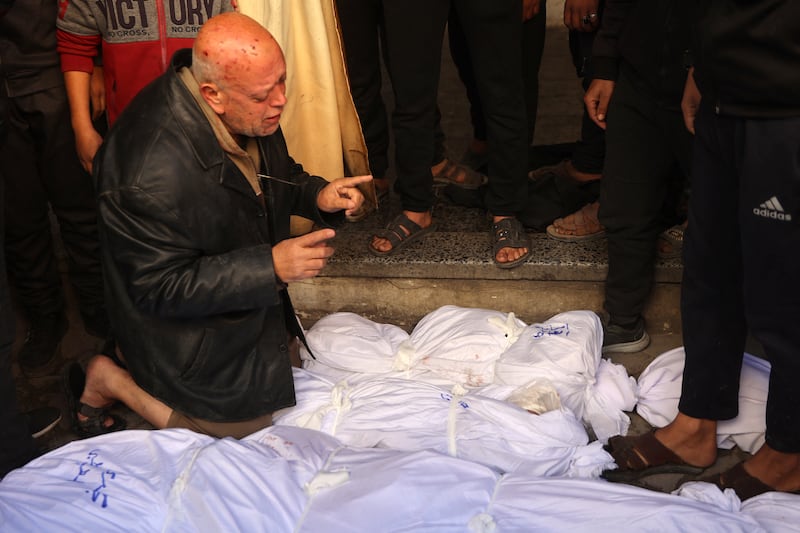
column 769, row 215
column 494, row 36
column 642, row 141
column 360, row 22
column 29, row 244
column 587, row 157
column 16, row 444
column 71, row 194
column 413, row 60
column 533, row 35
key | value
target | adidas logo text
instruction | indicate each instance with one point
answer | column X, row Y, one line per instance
column 772, row 208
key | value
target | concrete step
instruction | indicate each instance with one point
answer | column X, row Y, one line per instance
column 453, row 265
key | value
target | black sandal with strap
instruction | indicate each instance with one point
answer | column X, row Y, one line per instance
column 95, row 422
column 399, row 232
column 509, row 233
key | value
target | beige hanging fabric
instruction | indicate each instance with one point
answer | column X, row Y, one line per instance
column 319, row 121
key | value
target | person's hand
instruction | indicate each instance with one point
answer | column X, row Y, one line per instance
column 97, row 93
column 582, row 15
column 596, row 99
column 690, row 101
column 342, row 194
column 87, row 142
column 302, row 257
column 530, row 8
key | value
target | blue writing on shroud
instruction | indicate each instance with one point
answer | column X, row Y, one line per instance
column 92, row 472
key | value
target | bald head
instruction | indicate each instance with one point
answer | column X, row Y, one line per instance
column 241, row 72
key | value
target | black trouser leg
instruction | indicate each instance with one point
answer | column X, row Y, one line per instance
column 590, row 149
column 494, row 35
column 740, row 268
column 645, row 143
column 40, row 167
column 16, row 444
column 361, row 22
column 413, row 59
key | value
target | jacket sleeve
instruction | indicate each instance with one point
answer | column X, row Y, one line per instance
column 166, row 273
column 306, row 201
column 605, row 53
column 78, row 35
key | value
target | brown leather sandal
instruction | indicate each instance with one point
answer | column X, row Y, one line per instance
column 644, row 455
column 745, row 485
column 459, row 175
column 582, row 225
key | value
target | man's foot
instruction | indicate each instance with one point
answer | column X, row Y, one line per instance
column 90, row 397
column 670, row 241
column 510, row 243
column 405, row 228
column 38, row 352
column 582, row 225
column 685, row 443
column 42, row 420
column 625, row 339
column 776, row 470
column 448, row 173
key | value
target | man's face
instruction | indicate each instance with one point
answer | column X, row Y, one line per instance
column 253, row 100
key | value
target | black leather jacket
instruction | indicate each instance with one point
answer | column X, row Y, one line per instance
column 187, row 253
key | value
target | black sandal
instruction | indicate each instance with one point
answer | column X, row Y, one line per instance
column 399, row 232
column 94, row 424
column 509, row 233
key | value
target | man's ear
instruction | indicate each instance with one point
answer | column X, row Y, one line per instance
column 213, row 96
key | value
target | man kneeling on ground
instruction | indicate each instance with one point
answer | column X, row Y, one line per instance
column 195, row 190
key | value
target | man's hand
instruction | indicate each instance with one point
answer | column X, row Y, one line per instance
column 342, row 194
column 582, row 15
column 530, row 8
column 302, row 257
column 596, row 99
column 690, row 101
column 87, row 142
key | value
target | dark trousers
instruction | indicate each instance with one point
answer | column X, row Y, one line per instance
column 16, row 444
column 647, row 145
column 590, row 149
column 410, row 33
column 533, row 34
column 40, row 169
column 493, row 35
column 741, row 257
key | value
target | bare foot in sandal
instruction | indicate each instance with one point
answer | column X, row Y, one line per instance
column 448, row 173
column 400, row 232
column 670, row 241
column 99, row 372
column 511, row 245
column 582, row 225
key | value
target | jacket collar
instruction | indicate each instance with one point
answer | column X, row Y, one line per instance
column 197, row 129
